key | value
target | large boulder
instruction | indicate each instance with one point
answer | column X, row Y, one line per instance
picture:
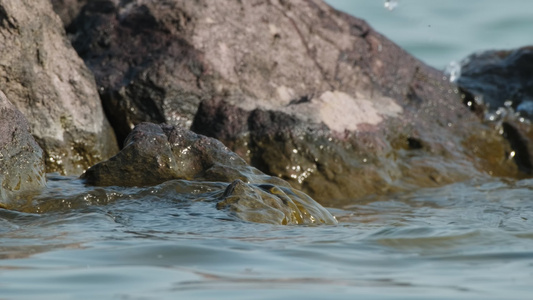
column 298, row 89
column 154, row 154
column 21, row 159
column 47, row 81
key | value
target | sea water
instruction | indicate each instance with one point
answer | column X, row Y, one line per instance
column 439, row 32
column 469, row 240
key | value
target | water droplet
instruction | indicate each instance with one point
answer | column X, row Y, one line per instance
column 453, row 70
column 391, row 4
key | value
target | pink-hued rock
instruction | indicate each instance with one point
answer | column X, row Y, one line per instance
column 298, row 89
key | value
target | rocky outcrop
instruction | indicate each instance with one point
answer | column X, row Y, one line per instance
column 46, row 80
column 499, row 86
column 154, row 154
column 298, row 89
column 21, row 159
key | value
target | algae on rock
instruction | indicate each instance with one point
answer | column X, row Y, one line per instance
column 154, row 154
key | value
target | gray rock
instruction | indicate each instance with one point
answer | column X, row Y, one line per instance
column 46, row 80
column 154, row 154
column 68, row 10
column 495, row 77
column 499, row 86
column 21, row 159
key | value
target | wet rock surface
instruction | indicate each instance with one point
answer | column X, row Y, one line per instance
column 21, row 159
column 46, row 80
column 499, row 86
column 298, row 89
column 496, row 77
column 267, row 203
column 154, row 154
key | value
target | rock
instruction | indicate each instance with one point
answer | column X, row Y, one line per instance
column 154, row 154
column 171, row 152
column 21, row 159
column 298, row 89
column 266, row 203
column 495, row 77
column 499, row 86
column 68, row 10
column 46, row 80
column 145, row 67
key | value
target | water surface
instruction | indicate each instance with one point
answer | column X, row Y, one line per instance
column 471, row 240
column 438, row 32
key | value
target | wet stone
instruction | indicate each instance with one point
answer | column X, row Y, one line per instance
column 498, row 85
column 154, row 154
column 272, row 204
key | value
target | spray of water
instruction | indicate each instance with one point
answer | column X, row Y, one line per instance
column 391, row 4
column 453, row 71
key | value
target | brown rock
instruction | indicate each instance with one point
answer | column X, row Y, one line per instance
column 154, row 154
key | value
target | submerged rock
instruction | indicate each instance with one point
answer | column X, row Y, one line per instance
column 154, row 154
column 21, row 159
column 266, row 203
column 46, row 80
column 298, row 89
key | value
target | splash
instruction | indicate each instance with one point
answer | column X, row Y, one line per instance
column 391, row 4
column 453, row 70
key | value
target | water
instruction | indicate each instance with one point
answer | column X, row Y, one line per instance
column 469, row 240
column 438, row 32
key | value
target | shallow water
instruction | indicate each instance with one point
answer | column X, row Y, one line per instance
column 470, row 240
